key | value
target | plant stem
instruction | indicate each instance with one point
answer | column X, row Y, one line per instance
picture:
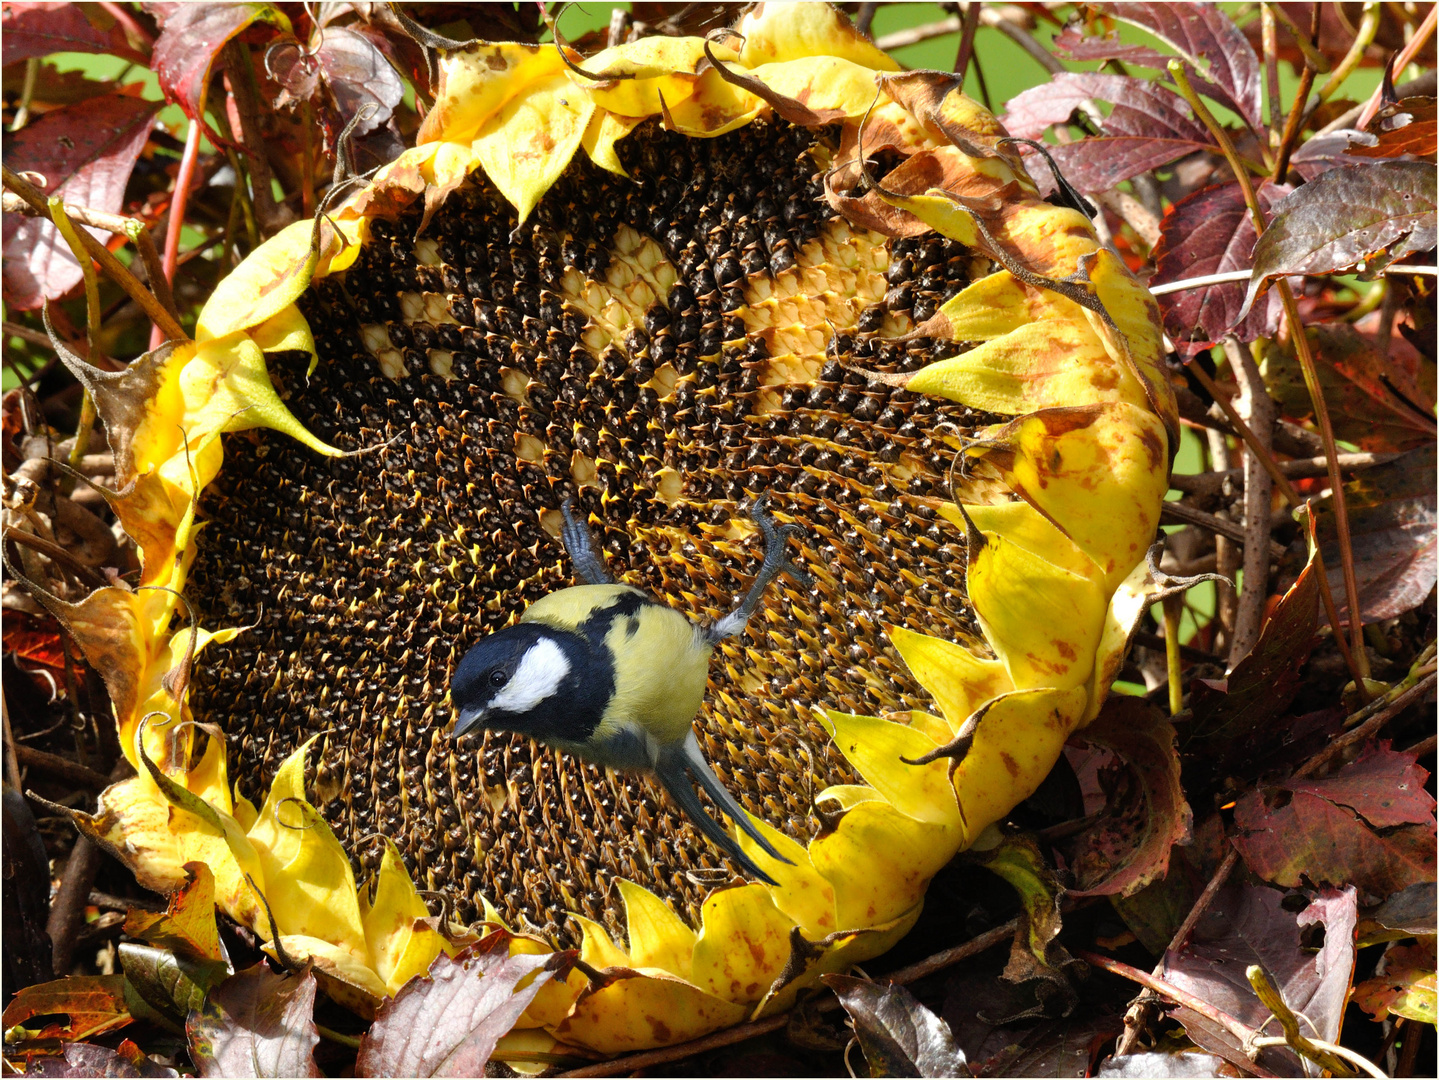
column 27, row 91
column 1406, row 54
column 92, row 322
column 1258, row 489
column 1367, row 28
column 113, row 267
column 1240, row 1031
column 1305, row 356
column 1293, row 498
column 1173, row 606
column 178, row 202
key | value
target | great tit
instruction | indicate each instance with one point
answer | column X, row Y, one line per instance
column 607, row 673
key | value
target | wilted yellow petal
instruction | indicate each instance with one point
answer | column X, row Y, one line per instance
column 876, row 748
column 958, row 680
column 401, row 944
column 838, row 952
column 227, row 387
column 635, row 1011
column 1039, row 366
column 525, row 146
column 606, row 129
column 1099, row 471
column 1126, row 608
column 309, row 884
column 1014, row 744
column 1042, row 621
column 658, row 937
column 879, row 860
column 803, row 894
column 596, row 948
column 477, row 82
column 743, row 945
column 783, row 31
column 1022, row 524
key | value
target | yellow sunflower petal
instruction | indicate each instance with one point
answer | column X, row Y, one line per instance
column 743, row 945
column 958, row 680
column 877, row 748
column 658, row 937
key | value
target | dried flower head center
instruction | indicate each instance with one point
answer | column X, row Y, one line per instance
column 662, row 347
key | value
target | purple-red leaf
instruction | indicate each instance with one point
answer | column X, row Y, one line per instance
column 1205, row 37
column 1376, row 401
column 1302, row 832
column 1328, row 151
column 447, row 1023
column 1225, row 714
column 86, row 153
column 1211, row 232
column 1248, row 924
column 38, row 29
column 191, row 36
column 256, row 1023
column 1392, row 531
column 1385, row 787
column 1347, row 217
column 1148, row 126
column 88, row 1059
column 898, row 1035
column 358, row 74
column 1145, row 813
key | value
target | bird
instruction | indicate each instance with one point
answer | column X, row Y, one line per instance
column 609, row 674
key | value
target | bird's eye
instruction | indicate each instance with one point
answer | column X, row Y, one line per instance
column 498, row 678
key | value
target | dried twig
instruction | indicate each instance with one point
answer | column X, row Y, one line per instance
column 1212, row 483
column 62, row 768
column 1180, row 513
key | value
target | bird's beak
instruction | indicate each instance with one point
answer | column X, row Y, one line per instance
column 469, row 719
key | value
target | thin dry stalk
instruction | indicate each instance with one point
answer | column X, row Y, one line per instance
column 1255, row 406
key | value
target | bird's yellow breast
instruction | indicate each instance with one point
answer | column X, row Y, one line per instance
column 660, row 658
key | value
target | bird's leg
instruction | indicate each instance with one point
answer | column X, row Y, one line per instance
column 589, row 564
column 775, row 563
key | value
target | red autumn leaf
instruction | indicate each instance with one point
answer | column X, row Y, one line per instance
column 1261, row 686
column 91, row 1004
column 1347, row 217
column 1296, row 832
column 1375, row 400
column 446, row 1023
column 191, row 36
column 1209, row 42
column 39, row 29
column 1407, row 987
column 86, row 153
column 53, row 87
column 187, row 927
column 1148, row 126
column 1385, row 787
column 1406, row 127
column 1211, row 232
column 1249, row 924
column 256, row 1023
column 1145, row 815
column 88, row 1059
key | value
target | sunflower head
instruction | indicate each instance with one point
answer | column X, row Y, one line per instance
column 659, row 280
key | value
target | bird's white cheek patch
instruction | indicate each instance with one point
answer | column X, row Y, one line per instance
column 542, row 669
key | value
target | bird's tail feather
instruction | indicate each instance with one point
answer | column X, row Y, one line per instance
column 673, row 771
